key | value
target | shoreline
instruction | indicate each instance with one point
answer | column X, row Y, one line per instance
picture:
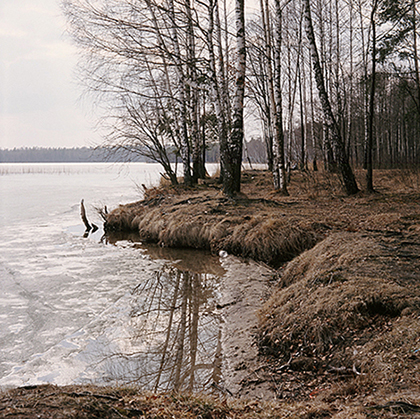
column 258, row 228
column 347, row 268
column 337, row 330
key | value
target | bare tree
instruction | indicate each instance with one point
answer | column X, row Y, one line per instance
column 369, row 145
column 349, row 180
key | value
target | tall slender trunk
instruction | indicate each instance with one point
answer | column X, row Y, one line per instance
column 217, row 96
column 350, row 99
column 338, row 76
column 199, row 171
column 279, row 167
column 314, row 146
column 369, row 145
column 365, row 75
column 290, row 98
column 221, row 67
column 416, row 54
column 232, row 175
column 185, row 148
column 268, row 59
column 328, row 155
column 302, row 159
column 227, row 58
column 347, row 174
column 275, row 99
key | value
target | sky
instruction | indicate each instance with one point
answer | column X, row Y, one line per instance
column 40, row 102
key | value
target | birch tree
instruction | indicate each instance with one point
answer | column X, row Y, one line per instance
column 279, row 169
column 232, row 169
column 347, row 174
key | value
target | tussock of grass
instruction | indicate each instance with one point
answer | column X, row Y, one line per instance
column 271, row 240
column 338, row 304
column 200, row 224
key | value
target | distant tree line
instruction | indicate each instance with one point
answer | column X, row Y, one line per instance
column 62, row 155
column 254, row 152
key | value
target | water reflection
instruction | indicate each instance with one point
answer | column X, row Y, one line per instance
column 200, row 261
column 172, row 336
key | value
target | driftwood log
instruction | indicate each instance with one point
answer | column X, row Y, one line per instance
column 85, row 220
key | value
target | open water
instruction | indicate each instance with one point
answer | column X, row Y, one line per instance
column 82, row 310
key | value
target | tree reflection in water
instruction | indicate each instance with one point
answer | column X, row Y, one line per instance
column 172, row 339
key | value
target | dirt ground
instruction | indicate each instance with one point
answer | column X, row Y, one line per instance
column 339, row 333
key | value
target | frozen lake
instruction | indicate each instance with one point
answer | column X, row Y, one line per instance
column 77, row 310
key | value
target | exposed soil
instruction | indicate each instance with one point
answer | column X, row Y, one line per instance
column 338, row 336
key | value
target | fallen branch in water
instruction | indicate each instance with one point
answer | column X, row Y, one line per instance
column 89, row 227
column 83, row 215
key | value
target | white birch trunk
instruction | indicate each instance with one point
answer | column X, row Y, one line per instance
column 216, row 96
column 279, row 170
column 232, row 176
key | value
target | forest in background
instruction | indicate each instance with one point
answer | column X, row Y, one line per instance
column 332, row 83
column 254, row 152
column 60, row 155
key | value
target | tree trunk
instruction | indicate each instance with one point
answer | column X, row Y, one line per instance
column 314, row 145
column 265, row 18
column 221, row 67
column 279, row 170
column 369, row 145
column 347, row 174
column 217, row 97
column 185, row 147
column 350, row 100
column 232, row 175
column 416, row 55
column 302, row 157
column 199, row 171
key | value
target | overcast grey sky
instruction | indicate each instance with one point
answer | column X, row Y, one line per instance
column 39, row 103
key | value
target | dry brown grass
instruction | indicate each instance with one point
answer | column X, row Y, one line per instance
column 77, row 402
column 213, row 222
column 351, row 306
column 260, row 224
column 103, row 402
column 335, row 291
